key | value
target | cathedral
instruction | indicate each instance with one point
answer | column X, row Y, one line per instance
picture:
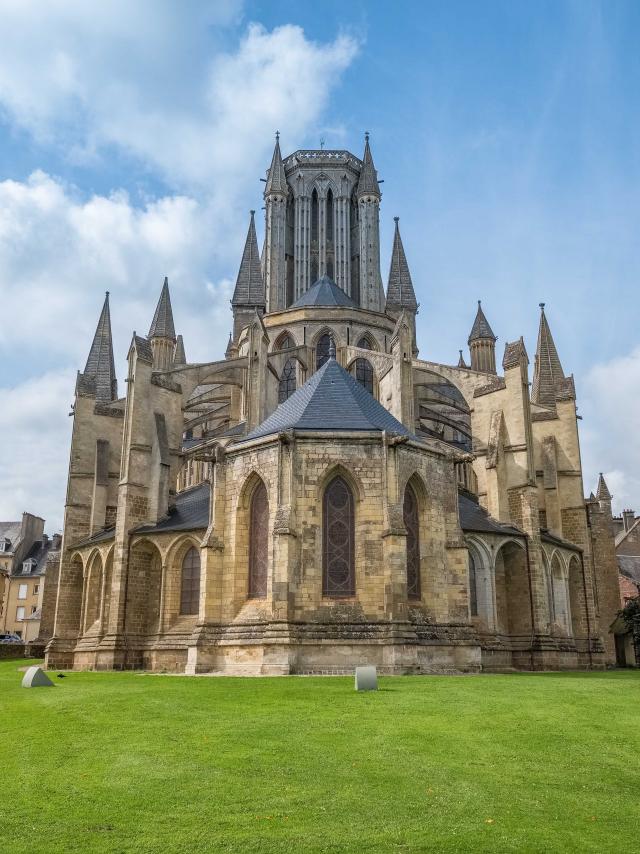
column 323, row 496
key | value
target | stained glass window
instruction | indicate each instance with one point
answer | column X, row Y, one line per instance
column 412, row 524
column 258, row 542
column 322, row 349
column 190, row 587
column 364, row 374
column 473, row 587
column 338, row 528
column 287, row 384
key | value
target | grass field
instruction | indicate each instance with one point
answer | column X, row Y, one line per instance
column 139, row 763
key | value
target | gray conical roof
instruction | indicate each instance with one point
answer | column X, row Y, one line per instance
column 276, row 178
column 324, row 292
column 179, row 357
column 100, row 367
column 162, row 323
column 368, row 182
column 400, row 288
column 602, row 493
column 547, row 369
column 330, row 400
column 249, row 288
column 481, row 328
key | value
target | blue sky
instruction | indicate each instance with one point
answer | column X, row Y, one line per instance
column 133, row 137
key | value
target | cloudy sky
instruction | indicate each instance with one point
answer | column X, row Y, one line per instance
column 133, row 137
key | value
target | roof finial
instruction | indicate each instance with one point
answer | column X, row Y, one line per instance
column 332, row 348
column 541, row 305
column 479, row 303
column 366, row 136
column 277, row 135
column 396, row 219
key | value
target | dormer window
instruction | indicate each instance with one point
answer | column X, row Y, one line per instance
column 5, row 544
column 28, row 565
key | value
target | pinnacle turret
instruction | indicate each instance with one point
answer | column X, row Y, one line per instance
column 602, row 493
column 482, row 344
column 481, row 328
column 461, row 361
column 400, row 293
column 162, row 323
column 249, row 290
column 276, row 178
column 179, row 357
column 368, row 183
column 100, row 368
column 547, row 373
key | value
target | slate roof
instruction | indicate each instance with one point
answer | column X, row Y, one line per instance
column 249, row 288
column 475, row 518
column 100, row 372
column 162, row 323
column 629, row 566
column 400, row 288
column 368, row 182
column 481, row 328
column 10, row 531
column 191, row 511
column 276, row 178
column 38, row 552
column 324, row 292
column 513, row 352
column 548, row 376
column 330, row 400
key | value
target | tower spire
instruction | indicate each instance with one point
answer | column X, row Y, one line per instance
column 276, row 178
column 547, row 372
column 368, row 182
column 100, row 367
column 400, row 290
column 179, row 357
column 602, row 493
column 162, row 323
column 248, row 295
column 482, row 344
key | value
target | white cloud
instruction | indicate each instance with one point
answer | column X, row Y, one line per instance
column 166, row 85
column 610, row 435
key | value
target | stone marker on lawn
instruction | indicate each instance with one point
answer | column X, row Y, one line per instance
column 35, row 677
column 366, row 678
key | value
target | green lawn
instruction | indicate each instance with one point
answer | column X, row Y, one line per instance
column 139, row 763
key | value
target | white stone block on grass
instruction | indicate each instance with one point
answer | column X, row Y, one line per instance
column 366, row 678
column 35, row 677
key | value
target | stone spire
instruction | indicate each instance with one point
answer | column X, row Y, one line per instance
column 482, row 344
column 368, row 183
column 400, row 291
column 100, row 368
column 249, row 288
column 602, row 493
column 461, row 361
column 179, row 356
column 162, row 332
column 276, row 178
column 248, row 295
column 547, row 372
column 162, row 323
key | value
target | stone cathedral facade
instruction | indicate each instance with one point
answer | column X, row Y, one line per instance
column 323, row 496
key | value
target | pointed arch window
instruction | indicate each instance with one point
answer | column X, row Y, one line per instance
column 322, row 349
column 190, row 584
column 338, row 540
column 287, row 384
column 473, row 587
column 412, row 525
column 364, row 374
column 329, row 216
column 285, row 342
column 258, row 542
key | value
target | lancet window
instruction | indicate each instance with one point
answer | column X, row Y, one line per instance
column 258, row 542
column 287, row 384
column 338, row 539
column 190, row 585
column 412, row 525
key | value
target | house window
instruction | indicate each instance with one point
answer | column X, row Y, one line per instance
column 190, row 586
column 22, row 591
column 36, row 589
column 411, row 523
column 258, row 542
column 287, row 384
column 27, row 566
column 322, row 350
column 473, row 587
column 338, row 540
column 20, row 614
column 364, row 374
column 33, row 609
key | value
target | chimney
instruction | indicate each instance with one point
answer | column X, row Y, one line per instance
column 56, row 542
column 628, row 518
column 45, row 540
